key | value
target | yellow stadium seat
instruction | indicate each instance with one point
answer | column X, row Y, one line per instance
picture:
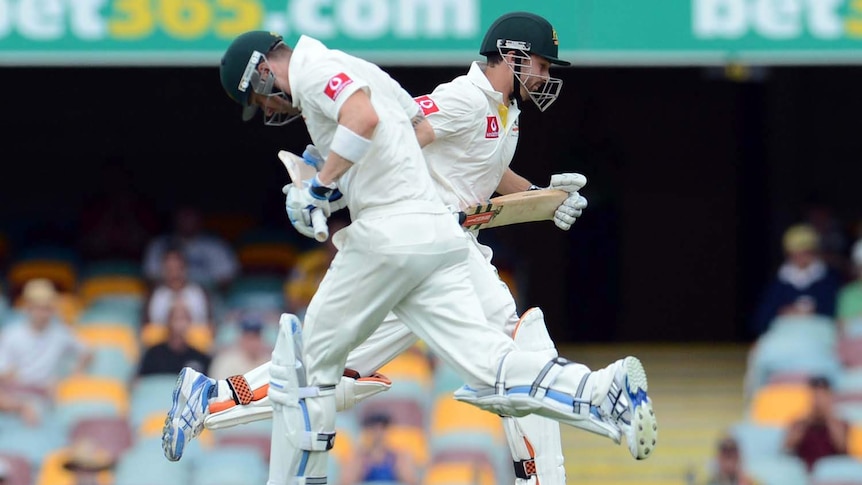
column 108, row 335
column 52, row 471
column 62, row 273
column 78, row 388
column 412, row 364
column 200, row 336
column 780, row 404
column 854, row 441
column 344, row 446
column 104, row 285
column 451, row 416
column 459, row 473
column 274, row 256
column 410, row 439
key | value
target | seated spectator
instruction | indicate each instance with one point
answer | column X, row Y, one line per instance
column 820, row 433
column 804, row 283
column 728, row 466
column 248, row 352
column 375, row 460
column 850, row 295
column 211, row 260
column 36, row 351
column 175, row 353
column 174, row 286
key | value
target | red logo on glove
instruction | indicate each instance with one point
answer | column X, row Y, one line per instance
column 493, row 128
column 427, row 104
column 336, row 85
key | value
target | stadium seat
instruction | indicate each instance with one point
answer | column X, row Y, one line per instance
column 62, row 273
column 459, row 473
column 144, row 464
column 852, row 328
column 777, row 470
column 413, row 365
column 267, row 257
column 854, row 441
column 402, row 411
column 236, row 466
column 96, row 287
column 112, row 309
column 780, row 404
column 65, row 416
column 111, row 267
column 113, row 363
column 837, row 470
column 111, row 335
column 451, row 416
column 199, row 336
column 446, row 381
column 20, row 472
column 259, row 293
column 69, row 307
column 32, row 443
column 756, row 440
column 112, row 433
column 82, row 388
column 53, row 472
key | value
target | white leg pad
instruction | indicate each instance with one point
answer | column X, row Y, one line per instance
column 527, row 382
column 534, row 441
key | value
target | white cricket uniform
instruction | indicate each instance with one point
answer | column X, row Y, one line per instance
column 473, row 149
column 404, row 251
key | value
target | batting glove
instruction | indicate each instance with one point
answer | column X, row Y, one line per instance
column 569, row 211
column 312, row 156
column 295, row 211
column 571, row 208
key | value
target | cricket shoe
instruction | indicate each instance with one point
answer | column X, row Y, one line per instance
column 631, row 409
column 190, row 406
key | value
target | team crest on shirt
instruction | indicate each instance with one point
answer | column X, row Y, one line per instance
column 492, row 129
column 336, row 85
column 427, row 104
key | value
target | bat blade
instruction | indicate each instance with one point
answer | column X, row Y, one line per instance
column 516, row 208
column 299, row 171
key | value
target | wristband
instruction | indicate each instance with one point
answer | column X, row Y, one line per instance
column 349, row 145
column 320, row 191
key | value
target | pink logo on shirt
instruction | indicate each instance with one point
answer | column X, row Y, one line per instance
column 493, row 128
column 336, row 85
column 427, row 104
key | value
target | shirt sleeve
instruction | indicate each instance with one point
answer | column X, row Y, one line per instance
column 327, row 85
column 451, row 111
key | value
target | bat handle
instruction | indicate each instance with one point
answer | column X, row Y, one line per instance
column 318, row 223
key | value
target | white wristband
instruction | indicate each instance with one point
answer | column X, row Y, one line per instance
column 349, row 145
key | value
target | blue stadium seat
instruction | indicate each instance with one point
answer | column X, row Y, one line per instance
column 777, row 470
column 758, row 441
column 144, row 464
column 234, row 466
column 837, row 470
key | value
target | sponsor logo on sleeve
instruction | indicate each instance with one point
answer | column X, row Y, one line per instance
column 493, row 128
column 427, row 104
column 336, row 85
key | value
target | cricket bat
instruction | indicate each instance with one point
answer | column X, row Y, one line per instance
column 516, row 208
column 299, row 171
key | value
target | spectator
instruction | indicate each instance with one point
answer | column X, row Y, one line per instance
column 728, row 466
column 211, row 260
column 850, row 295
column 376, row 461
column 248, row 352
column 174, row 286
column 804, row 283
column 35, row 352
column 830, row 230
column 175, row 353
column 17, row 406
column 820, row 433
column 116, row 223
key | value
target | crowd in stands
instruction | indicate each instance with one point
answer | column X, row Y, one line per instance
column 803, row 385
column 92, row 336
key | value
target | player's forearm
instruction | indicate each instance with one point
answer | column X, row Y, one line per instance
column 512, row 182
column 424, row 132
column 334, row 168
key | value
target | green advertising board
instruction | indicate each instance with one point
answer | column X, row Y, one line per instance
column 432, row 32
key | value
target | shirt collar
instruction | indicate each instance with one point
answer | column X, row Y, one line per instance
column 476, row 76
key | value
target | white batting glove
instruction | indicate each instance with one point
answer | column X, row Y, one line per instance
column 569, row 211
column 295, row 211
column 568, row 182
column 571, row 208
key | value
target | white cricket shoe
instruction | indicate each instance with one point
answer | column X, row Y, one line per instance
column 190, row 406
column 631, row 409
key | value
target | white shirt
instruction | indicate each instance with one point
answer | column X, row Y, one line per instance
column 394, row 169
column 35, row 357
column 208, row 259
column 193, row 296
column 473, row 148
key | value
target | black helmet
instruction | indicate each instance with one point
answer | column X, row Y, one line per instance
column 525, row 31
column 239, row 63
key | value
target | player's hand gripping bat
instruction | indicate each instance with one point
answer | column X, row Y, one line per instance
column 299, row 171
